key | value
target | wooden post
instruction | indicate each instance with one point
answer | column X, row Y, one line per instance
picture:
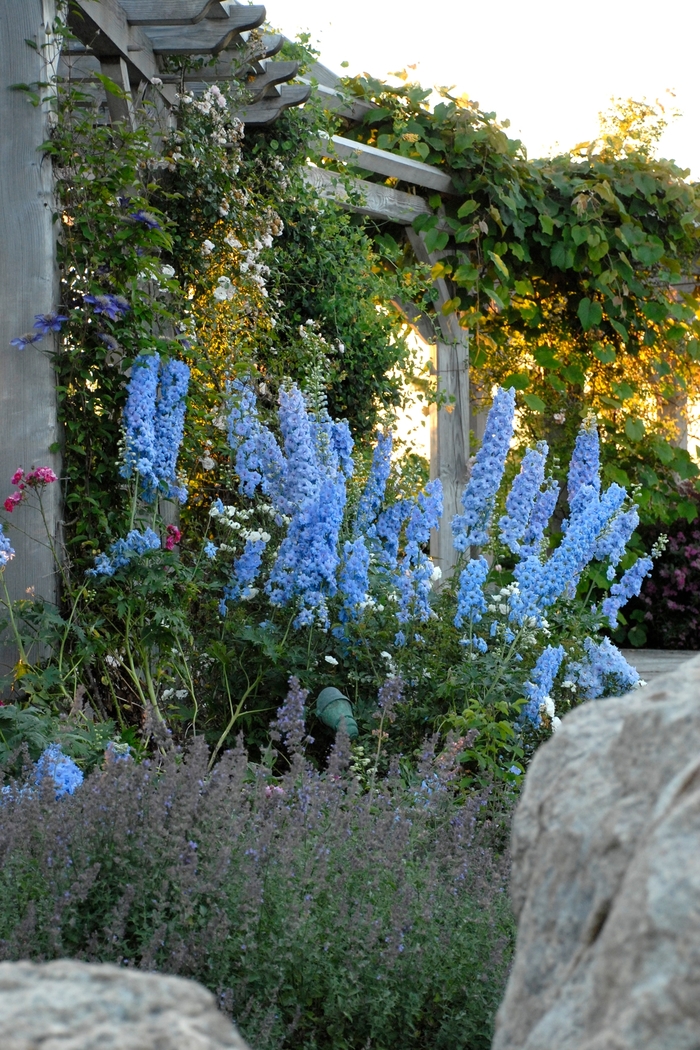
column 449, row 425
column 28, row 286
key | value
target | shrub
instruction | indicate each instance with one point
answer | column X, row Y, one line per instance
column 322, row 914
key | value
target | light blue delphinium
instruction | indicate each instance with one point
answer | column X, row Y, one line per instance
column 542, row 511
column 139, row 416
column 373, row 493
column 478, row 499
column 584, row 467
column 63, row 771
column 353, row 580
column 6, row 549
column 245, row 570
column 542, row 583
column 613, row 542
column 259, row 459
column 629, row 587
column 210, row 550
column 415, row 572
column 538, row 688
column 521, row 500
column 388, row 531
column 122, row 551
column 168, row 428
column 471, row 603
column 603, row 669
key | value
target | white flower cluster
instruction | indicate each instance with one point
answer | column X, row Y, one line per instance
column 224, row 289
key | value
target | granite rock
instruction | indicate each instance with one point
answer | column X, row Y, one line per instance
column 67, row 1005
column 606, row 879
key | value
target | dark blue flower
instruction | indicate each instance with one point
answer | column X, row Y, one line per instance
column 148, row 220
column 23, row 341
column 47, row 323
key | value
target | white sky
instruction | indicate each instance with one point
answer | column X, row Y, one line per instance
column 549, row 66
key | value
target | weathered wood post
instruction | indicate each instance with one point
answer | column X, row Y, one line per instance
column 449, row 424
column 28, row 286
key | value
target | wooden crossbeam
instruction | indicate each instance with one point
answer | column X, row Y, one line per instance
column 384, row 163
column 367, row 198
column 103, row 28
column 269, row 108
column 171, row 12
column 274, row 73
column 204, row 38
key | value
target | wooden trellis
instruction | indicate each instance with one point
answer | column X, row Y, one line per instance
column 129, row 41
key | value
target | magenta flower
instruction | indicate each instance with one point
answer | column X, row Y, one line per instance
column 174, row 536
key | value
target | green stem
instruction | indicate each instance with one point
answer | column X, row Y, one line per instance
column 13, row 622
column 235, row 715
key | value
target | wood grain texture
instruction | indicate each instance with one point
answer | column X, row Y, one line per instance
column 204, row 38
column 367, row 198
column 28, row 286
column 170, row 12
column 449, row 425
column 103, row 27
column 384, row 163
column 268, row 109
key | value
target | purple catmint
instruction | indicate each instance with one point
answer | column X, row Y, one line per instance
column 290, row 724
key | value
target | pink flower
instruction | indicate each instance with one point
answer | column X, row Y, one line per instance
column 174, row 536
column 40, row 476
column 17, row 476
column 273, row 791
column 12, row 501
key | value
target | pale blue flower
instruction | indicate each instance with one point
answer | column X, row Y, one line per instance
column 629, row 587
column 541, row 681
column 478, row 499
column 521, row 500
column 373, row 493
column 603, row 671
column 471, row 603
column 63, row 771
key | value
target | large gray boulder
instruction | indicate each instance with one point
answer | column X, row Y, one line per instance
column 68, row 1005
column 606, row 879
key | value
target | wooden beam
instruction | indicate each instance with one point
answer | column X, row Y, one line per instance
column 170, row 12
column 384, row 163
column 269, row 108
column 120, row 109
column 204, row 38
column 449, row 425
column 367, row 198
column 273, row 74
column 29, row 286
column 103, row 28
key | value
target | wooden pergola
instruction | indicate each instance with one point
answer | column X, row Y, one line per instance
column 130, row 41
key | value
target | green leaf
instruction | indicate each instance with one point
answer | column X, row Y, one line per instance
column 620, row 329
column 500, row 265
column 561, row 256
column 547, row 224
column 423, row 149
column 574, row 374
column 466, row 274
column 518, row 380
column 534, row 402
column 436, row 240
column 687, row 509
column 579, row 234
column 637, row 635
column 597, row 252
column 467, row 208
column 622, row 390
column 634, row 428
column 590, row 313
column 607, row 354
column 545, row 357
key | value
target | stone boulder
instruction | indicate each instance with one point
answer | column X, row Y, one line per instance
column 606, row 879
column 67, row 1005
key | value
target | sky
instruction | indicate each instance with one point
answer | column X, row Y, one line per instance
column 548, row 66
